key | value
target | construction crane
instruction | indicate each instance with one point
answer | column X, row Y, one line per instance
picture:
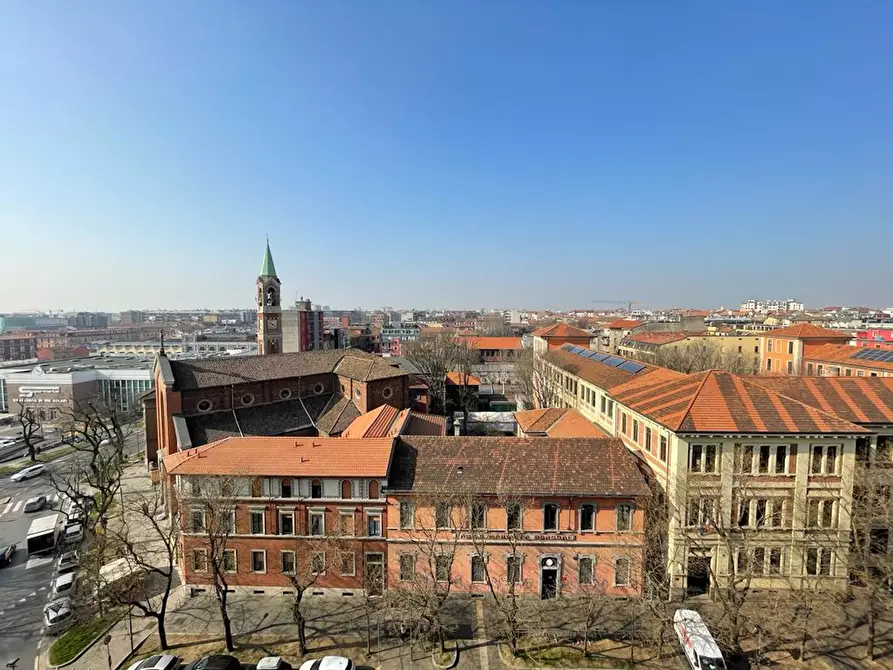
column 629, row 303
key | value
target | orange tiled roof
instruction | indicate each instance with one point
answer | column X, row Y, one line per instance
column 376, row 423
column 843, row 353
column 603, row 376
column 856, row 399
column 720, row 402
column 561, row 330
column 657, row 338
column 489, row 342
column 624, row 324
column 458, row 379
column 806, row 331
column 285, row 456
column 557, row 423
column 425, row 424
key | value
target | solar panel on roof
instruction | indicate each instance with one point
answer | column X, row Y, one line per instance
column 589, row 354
column 598, row 357
column 888, row 357
column 631, row 366
column 575, row 350
column 613, row 361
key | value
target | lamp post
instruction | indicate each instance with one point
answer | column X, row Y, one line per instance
column 108, row 652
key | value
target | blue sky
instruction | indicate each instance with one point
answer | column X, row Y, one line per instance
column 451, row 154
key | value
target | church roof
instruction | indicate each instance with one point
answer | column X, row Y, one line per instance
column 267, row 269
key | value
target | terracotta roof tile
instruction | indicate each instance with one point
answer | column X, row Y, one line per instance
column 806, row 331
column 488, row 342
column 458, row 379
column 719, row 402
column 561, row 330
column 603, row 376
column 374, row 424
column 425, row 424
column 555, row 422
column 624, row 324
column 516, row 465
column 285, row 456
column 862, row 400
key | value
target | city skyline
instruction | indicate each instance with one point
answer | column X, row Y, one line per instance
column 561, row 155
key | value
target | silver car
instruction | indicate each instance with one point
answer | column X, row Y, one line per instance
column 57, row 616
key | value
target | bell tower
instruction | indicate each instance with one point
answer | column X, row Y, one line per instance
column 269, row 307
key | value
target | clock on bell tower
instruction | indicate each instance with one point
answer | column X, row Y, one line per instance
column 269, row 307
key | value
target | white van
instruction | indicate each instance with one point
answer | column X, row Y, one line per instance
column 698, row 644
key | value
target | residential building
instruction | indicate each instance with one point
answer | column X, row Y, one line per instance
column 557, row 335
column 841, row 360
column 746, row 465
column 608, row 341
column 395, row 334
column 18, row 347
column 645, row 345
column 303, row 328
column 554, row 516
column 764, row 306
column 132, row 317
column 875, row 338
column 88, row 320
column 783, row 350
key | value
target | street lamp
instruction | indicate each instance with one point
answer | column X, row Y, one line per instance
column 108, row 652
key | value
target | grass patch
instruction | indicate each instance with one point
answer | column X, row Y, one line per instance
column 75, row 640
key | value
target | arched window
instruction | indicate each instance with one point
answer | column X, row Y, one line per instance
column 286, row 488
column 316, row 489
column 346, row 489
column 374, row 490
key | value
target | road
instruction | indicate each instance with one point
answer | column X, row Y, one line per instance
column 24, row 585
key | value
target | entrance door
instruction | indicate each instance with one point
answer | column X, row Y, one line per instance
column 698, row 575
column 374, row 574
column 548, row 578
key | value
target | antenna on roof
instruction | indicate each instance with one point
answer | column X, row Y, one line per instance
column 161, row 350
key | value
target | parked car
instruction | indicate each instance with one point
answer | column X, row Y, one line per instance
column 701, row 650
column 68, row 561
column 35, row 504
column 57, row 616
column 273, row 663
column 73, row 533
column 157, row 662
column 6, row 554
column 328, row 663
column 72, row 439
column 62, row 585
column 215, row 662
column 29, row 472
column 6, row 442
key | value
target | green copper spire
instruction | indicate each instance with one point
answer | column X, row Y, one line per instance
column 267, row 269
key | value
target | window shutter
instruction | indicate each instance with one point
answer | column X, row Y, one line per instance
column 792, row 458
column 266, row 487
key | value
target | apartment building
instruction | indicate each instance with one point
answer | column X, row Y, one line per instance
column 17, row 347
column 734, row 344
column 783, row 350
column 754, row 477
column 557, row 335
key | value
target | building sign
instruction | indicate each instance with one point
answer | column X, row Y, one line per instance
column 519, row 537
column 31, row 391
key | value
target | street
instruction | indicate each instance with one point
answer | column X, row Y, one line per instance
column 24, row 585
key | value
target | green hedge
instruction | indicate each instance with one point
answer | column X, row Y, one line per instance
column 75, row 640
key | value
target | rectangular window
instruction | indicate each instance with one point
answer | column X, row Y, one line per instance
column 317, row 523
column 287, row 562
column 477, row 569
column 710, row 458
column 585, row 570
column 621, row 572
column 818, row 561
column 623, row 422
column 768, row 365
column 373, row 525
column 769, row 346
column 286, row 523
column 775, row 561
column 830, row 460
column 695, row 457
column 229, row 560
column 648, row 438
column 790, row 367
column 761, row 513
column 624, row 517
column 791, row 347
column 285, row 488
column 256, row 522
column 746, row 466
column 759, row 559
column 604, row 405
column 513, row 517
column 258, row 560
column 777, row 516
column 346, row 524
column 550, row 516
column 827, row 514
column 809, row 368
column 744, row 513
column 513, row 569
column 763, row 463
column 407, row 567
column 587, row 518
column 348, row 563
column 781, row 459
column 443, row 564
column 197, row 521
column 635, row 430
column 199, row 560
column 663, row 448
column 442, row 514
column 407, row 514
column 478, row 515
column 318, row 562
column 611, row 410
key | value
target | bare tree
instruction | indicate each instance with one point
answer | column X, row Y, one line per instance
column 30, row 424
column 534, row 382
column 209, row 514
column 465, row 359
column 426, row 578
column 433, row 357
column 701, row 356
column 149, row 540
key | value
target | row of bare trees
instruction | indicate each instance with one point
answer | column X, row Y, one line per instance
column 435, row 357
